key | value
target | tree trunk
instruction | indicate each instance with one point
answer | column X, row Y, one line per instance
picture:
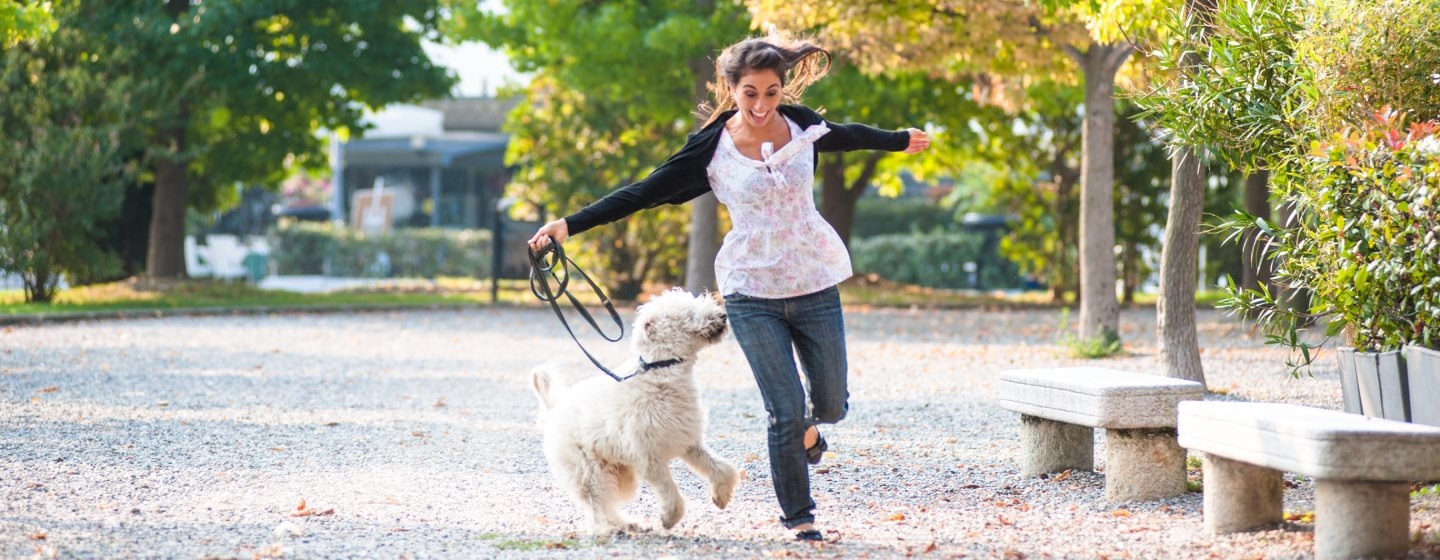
column 1180, row 254
column 39, row 285
column 1064, row 276
column 1099, row 312
column 704, row 241
column 166, row 255
column 1256, row 269
column 833, row 195
column 1179, row 259
column 837, row 198
column 1129, row 272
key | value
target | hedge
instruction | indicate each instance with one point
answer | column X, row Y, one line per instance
column 309, row 248
column 935, row 260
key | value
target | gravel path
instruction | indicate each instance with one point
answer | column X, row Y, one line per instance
column 199, row 437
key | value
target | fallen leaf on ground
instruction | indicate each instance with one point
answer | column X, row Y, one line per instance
column 50, row 389
column 1121, row 513
column 301, row 507
column 38, row 536
column 307, row 512
column 897, row 516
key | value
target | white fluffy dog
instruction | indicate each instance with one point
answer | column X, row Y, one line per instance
column 601, row 434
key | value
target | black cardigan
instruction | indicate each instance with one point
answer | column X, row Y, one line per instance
column 683, row 177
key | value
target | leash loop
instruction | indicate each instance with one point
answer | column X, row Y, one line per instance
column 550, row 263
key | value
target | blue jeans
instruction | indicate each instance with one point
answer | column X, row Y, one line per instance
column 771, row 332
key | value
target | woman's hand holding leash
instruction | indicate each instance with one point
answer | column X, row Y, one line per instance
column 557, row 232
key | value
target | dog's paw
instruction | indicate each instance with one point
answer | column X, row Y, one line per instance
column 673, row 515
column 723, row 489
column 612, row 529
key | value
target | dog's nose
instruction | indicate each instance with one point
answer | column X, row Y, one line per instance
column 722, row 317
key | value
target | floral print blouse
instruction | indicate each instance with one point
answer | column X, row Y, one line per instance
column 779, row 246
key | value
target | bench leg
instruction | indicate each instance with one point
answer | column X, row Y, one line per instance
column 1356, row 519
column 1048, row 446
column 1240, row 496
column 1143, row 464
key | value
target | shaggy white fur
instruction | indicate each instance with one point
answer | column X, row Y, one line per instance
column 601, row 435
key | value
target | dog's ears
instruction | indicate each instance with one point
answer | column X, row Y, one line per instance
column 649, row 326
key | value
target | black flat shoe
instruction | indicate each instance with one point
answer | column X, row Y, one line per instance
column 814, row 453
column 809, row 535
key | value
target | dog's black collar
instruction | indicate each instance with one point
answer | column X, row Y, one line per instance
column 647, row 366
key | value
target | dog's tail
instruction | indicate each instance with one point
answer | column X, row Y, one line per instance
column 540, row 382
column 549, row 383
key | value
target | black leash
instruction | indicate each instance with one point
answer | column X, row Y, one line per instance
column 557, row 267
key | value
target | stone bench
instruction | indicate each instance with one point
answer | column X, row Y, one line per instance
column 1362, row 469
column 1061, row 407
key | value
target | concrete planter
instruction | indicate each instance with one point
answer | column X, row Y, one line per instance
column 1375, row 381
column 1423, row 369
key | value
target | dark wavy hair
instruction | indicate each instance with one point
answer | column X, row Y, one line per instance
column 798, row 62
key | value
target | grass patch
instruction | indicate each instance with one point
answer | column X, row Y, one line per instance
column 504, row 542
column 137, row 295
column 1103, row 346
column 140, row 295
column 878, row 292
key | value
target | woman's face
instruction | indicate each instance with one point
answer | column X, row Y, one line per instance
column 757, row 94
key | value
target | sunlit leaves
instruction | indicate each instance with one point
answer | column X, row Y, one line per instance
column 24, row 19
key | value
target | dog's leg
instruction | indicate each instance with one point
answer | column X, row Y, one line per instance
column 672, row 504
column 722, row 475
column 601, row 489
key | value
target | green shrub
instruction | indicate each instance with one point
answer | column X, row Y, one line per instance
column 935, row 260
column 884, row 216
column 1370, row 54
column 307, row 248
column 1365, row 242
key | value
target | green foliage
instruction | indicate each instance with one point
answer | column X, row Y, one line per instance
column 260, row 78
column 613, row 96
column 1040, row 188
column 935, row 260
column 1244, row 99
column 307, row 248
column 21, row 20
column 243, row 87
column 63, row 118
column 1364, row 55
column 896, row 100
